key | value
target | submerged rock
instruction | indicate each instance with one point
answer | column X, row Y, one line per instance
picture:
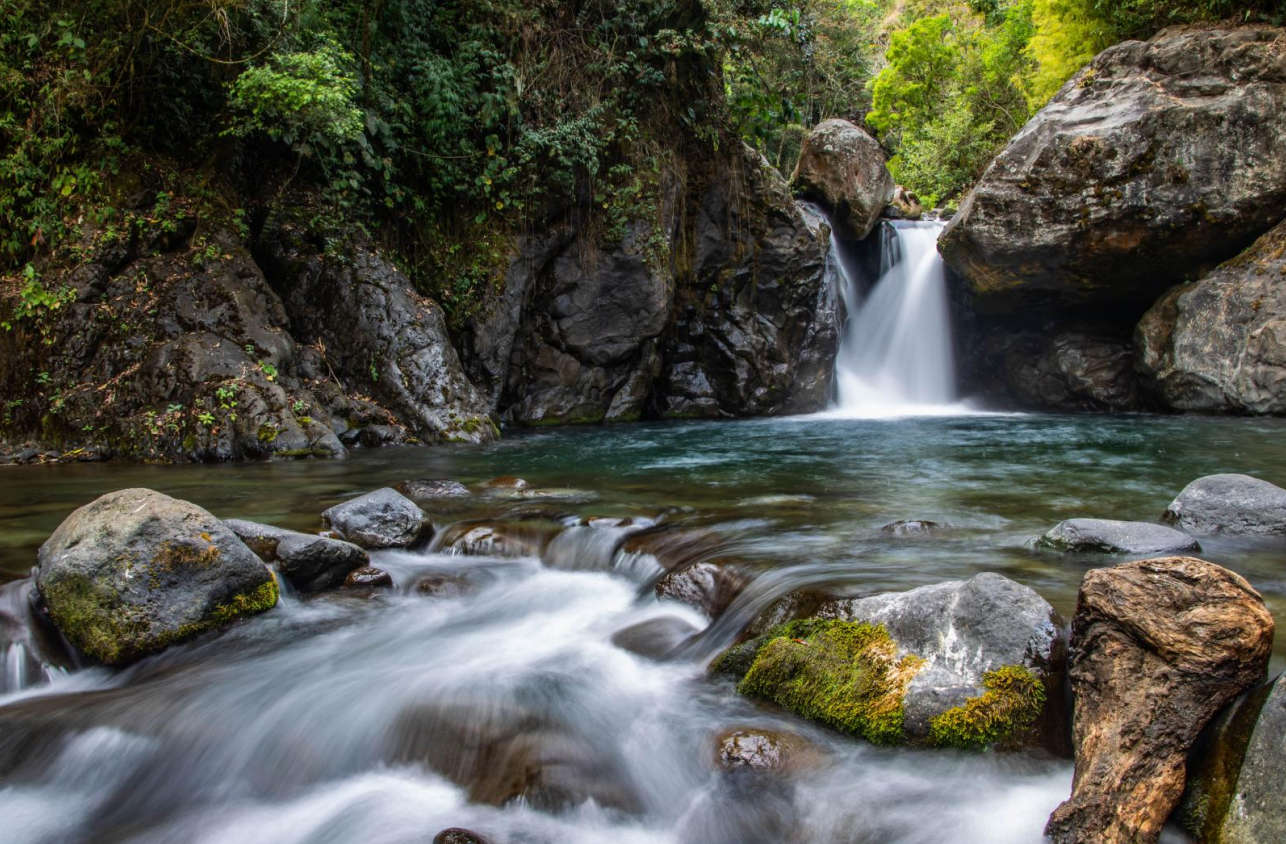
column 1109, row 536
column 136, row 571
column 1158, row 648
column 656, row 638
column 912, row 527
column 762, row 751
column 1234, row 790
column 709, row 586
column 456, row 835
column 843, row 169
column 1234, row 504
column 311, row 563
column 1158, row 159
column 972, row 663
column 1218, row 345
column 430, row 489
column 381, row 519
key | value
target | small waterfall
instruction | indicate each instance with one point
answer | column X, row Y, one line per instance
column 896, row 358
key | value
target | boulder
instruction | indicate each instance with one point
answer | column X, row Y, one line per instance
column 136, row 571
column 709, row 586
column 843, row 169
column 1234, row 792
column 1159, row 159
column 1158, row 648
column 1233, row 504
column 972, row 664
column 1110, row 536
column 310, row 563
column 381, row 519
column 1218, row 345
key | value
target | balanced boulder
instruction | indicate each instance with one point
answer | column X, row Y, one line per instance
column 1158, row 648
column 381, row 519
column 842, row 168
column 1233, row 504
column 1110, row 536
column 136, row 571
column 311, row 563
column 1160, row 159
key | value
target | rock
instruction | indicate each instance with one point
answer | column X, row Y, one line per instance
column 381, row 519
column 443, row 585
column 310, row 563
column 1233, row 504
column 973, row 663
column 378, row 334
column 904, row 205
column 1218, row 345
column 1158, row 648
column 1234, row 793
column 1159, row 159
column 456, row 835
column 762, row 751
column 368, row 577
column 708, row 586
column 498, row 539
column 912, row 527
column 656, row 638
column 507, row 482
column 430, row 489
column 1109, row 536
column 136, row 571
column 843, row 169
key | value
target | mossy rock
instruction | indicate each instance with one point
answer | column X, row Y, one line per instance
column 136, row 571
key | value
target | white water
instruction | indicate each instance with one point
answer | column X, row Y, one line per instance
column 896, row 357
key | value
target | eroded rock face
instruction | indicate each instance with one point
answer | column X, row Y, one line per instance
column 843, row 169
column 311, row 563
column 381, row 519
column 1111, row 536
column 1232, row 504
column 1218, row 345
column 136, row 571
column 1159, row 159
column 1158, row 648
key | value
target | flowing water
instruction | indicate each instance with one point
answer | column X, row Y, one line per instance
column 385, row 718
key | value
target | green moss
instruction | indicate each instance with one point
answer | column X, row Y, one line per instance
column 1014, row 699
column 268, row 432
column 844, row 674
column 260, row 599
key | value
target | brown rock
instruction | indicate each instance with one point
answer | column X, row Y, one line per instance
column 1158, row 648
column 367, row 577
column 763, row 751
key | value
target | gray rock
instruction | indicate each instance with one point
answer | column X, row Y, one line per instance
column 136, row 571
column 381, row 519
column 1235, row 504
column 311, row 563
column 1235, row 793
column 843, row 169
column 1157, row 161
column 428, row 489
column 1110, row 536
column 1219, row 345
column 708, row 586
column 912, row 527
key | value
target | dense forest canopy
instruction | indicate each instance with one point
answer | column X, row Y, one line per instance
column 439, row 125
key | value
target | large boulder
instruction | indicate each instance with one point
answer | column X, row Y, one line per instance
column 973, row 663
column 136, row 571
column 1159, row 159
column 311, row 563
column 384, row 518
column 1158, row 648
column 1233, row 504
column 842, row 168
column 1235, row 793
column 1218, row 345
column 1112, row 536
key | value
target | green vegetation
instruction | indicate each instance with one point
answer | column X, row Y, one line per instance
column 1014, row 699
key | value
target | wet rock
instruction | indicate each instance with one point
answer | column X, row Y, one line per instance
column 1218, row 345
column 430, row 489
column 762, row 751
column 136, row 571
column 499, row 539
column 506, row 482
column 1233, row 504
column 656, row 638
column 443, row 585
column 456, row 835
column 708, row 586
column 1109, row 536
column 843, row 169
column 368, row 577
column 310, row 563
column 912, row 527
column 1234, row 793
column 675, row 548
column 381, row 519
column 1158, row 648
column 1157, row 160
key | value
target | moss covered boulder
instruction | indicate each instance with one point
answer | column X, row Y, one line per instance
column 970, row 664
column 136, row 571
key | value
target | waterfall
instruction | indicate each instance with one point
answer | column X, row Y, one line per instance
column 895, row 358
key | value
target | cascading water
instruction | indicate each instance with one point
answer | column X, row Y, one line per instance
column 896, row 358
